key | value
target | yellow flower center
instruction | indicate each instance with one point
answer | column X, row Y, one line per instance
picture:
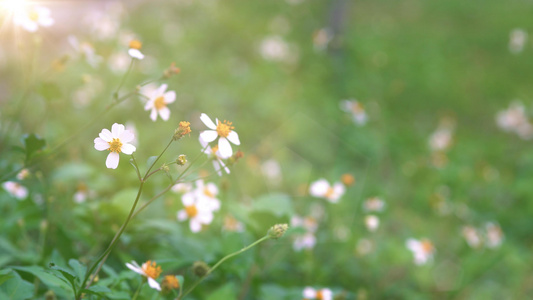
column 170, row 282
column 159, row 103
column 191, row 211
column 329, row 193
column 358, row 108
column 214, row 150
column 151, row 270
column 135, row 44
column 319, row 295
column 115, row 145
column 224, row 128
column 33, row 15
column 427, row 246
column 208, row 193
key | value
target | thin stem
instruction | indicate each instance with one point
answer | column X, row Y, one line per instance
column 147, row 174
column 138, row 290
column 222, row 260
column 136, row 166
column 115, row 94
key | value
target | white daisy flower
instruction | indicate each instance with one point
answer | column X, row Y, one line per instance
column 309, row 223
column 198, row 211
column 441, row 139
column 322, row 294
column 357, row 110
column 494, row 235
column 472, row 236
column 30, row 19
column 222, row 130
column 374, row 204
column 422, row 250
column 182, row 187
column 371, row 223
column 85, row 49
column 115, row 141
column 158, row 101
column 207, row 192
column 150, row 270
column 517, row 40
column 15, row 189
column 214, row 153
column 304, row 241
column 135, row 49
column 322, row 189
column 232, row 225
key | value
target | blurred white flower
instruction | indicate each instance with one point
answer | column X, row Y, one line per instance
column 207, row 192
column 23, row 174
column 232, row 225
column 104, row 24
column 441, row 139
column 371, row 223
column 197, row 210
column 422, row 250
column 222, row 130
column 31, row 18
column 364, row 247
column 517, row 40
column 494, row 235
column 274, row 48
column 82, row 193
column 182, row 187
column 356, row 109
column 116, row 141
column 86, row 50
column 272, row 171
column 322, row 294
column 374, row 204
column 514, row 119
column 472, row 236
column 157, row 103
column 322, row 38
column 150, row 270
column 308, row 223
column 214, row 154
column 119, row 62
column 304, row 241
column 15, row 189
column 322, row 189
column 135, row 49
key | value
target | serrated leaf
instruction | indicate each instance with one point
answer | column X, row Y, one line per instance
column 48, row 279
column 67, row 274
column 16, row 288
column 79, row 268
column 32, row 145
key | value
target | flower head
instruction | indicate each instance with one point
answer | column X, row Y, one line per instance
column 198, row 210
column 322, row 189
column 184, row 128
column 356, row 109
column 170, row 282
column 222, row 130
column 15, row 189
column 158, row 101
column 135, row 49
column 214, row 153
column 150, row 270
column 374, row 204
column 494, row 235
column 30, row 19
column 517, row 40
column 422, row 250
column 372, row 222
column 233, row 225
column 115, row 141
column 322, row 294
column 278, row 230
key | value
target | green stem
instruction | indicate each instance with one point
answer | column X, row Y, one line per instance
column 134, row 163
column 147, row 174
column 221, row 261
column 115, row 94
column 138, row 291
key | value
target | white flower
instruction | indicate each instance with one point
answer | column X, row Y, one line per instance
column 30, row 19
column 309, row 223
column 364, row 247
column 23, row 174
column 304, row 241
column 272, row 170
column 207, row 192
column 322, row 189
column 374, row 204
column 214, row 153
column 149, row 269
column 274, row 48
column 372, row 222
column 182, row 187
column 119, row 62
column 322, row 294
column 494, row 235
column 355, row 108
column 472, row 236
column 441, row 139
column 158, row 101
column 517, row 40
column 82, row 193
column 15, row 189
column 198, row 211
column 115, row 141
column 222, row 130
column 135, row 49
column 423, row 250
column 233, row 225
column 85, row 49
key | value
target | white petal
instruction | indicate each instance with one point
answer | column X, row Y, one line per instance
column 106, row 135
column 188, row 199
column 234, row 138
column 216, row 165
column 205, row 217
column 135, row 54
column 327, row 294
column 128, row 149
column 153, row 284
column 182, row 215
column 208, row 135
column 100, row 144
column 225, row 148
column 153, row 114
column 135, row 267
column 319, row 188
column 195, row 225
column 46, row 21
column 116, row 130
column 112, row 160
column 309, row 292
column 30, row 26
column 164, row 113
column 170, row 97
column 161, row 90
column 207, row 121
column 149, row 105
column 126, row 136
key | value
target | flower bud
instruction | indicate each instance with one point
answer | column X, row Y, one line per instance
column 183, row 129
column 172, row 70
column 200, row 268
column 50, row 295
column 277, row 230
column 182, row 160
column 165, row 168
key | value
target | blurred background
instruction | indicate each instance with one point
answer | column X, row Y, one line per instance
column 419, row 110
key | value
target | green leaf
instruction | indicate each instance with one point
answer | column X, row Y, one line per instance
column 32, row 145
column 226, row 292
column 97, row 290
column 5, row 275
column 67, row 274
column 277, row 204
column 16, row 288
column 79, row 268
column 60, row 287
column 123, row 200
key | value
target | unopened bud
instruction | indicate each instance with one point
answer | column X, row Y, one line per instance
column 165, row 168
column 200, row 268
column 277, row 230
column 50, row 295
column 172, row 70
column 183, row 129
column 182, row 160
column 170, row 282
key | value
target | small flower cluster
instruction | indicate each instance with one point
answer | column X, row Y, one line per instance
column 514, row 119
column 491, row 235
column 306, row 240
column 323, row 189
column 356, row 109
column 199, row 203
column 423, row 250
column 370, row 205
column 320, row 294
column 151, row 271
column 14, row 188
column 440, row 142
